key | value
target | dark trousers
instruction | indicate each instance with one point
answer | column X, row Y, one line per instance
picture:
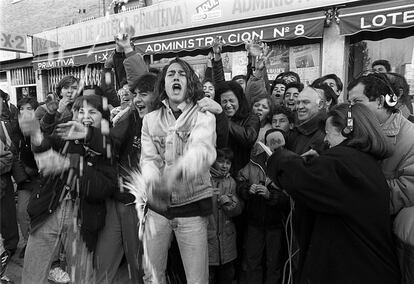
column 8, row 227
column 259, row 243
column 221, row 274
column 405, row 253
column 118, row 237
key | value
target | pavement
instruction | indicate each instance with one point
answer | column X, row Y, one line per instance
column 15, row 267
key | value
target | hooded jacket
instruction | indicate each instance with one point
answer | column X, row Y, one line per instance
column 261, row 212
column 221, row 230
column 399, row 167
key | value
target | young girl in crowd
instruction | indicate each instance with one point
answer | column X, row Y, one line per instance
column 69, row 207
column 263, row 107
column 221, row 229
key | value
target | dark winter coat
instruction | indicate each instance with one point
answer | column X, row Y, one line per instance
column 350, row 238
column 221, row 230
column 97, row 183
column 308, row 135
column 127, row 141
column 261, row 212
column 242, row 136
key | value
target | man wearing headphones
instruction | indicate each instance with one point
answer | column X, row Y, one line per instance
column 375, row 91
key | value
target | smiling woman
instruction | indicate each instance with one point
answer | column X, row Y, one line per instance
column 243, row 125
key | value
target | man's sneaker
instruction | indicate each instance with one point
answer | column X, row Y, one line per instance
column 58, row 275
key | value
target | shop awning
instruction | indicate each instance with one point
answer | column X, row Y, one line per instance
column 308, row 25
column 376, row 17
column 72, row 58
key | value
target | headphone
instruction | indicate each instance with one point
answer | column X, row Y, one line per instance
column 391, row 99
column 349, row 128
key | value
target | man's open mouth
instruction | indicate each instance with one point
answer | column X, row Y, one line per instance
column 176, row 87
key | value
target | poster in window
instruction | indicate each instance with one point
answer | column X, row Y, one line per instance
column 305, row 60
column 278, row 62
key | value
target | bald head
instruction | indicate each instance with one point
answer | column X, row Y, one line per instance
column 308, row 104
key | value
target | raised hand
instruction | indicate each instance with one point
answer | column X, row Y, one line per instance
column 264, row 56
column 71, row 130
column 63, row 103
column 253, row 47
column 28, row 123
column 218, row 45
column 123, row 42
column 51, row 162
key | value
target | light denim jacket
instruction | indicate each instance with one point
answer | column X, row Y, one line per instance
column 186, row 143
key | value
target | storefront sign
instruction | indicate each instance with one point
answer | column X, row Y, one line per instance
column 13, row 42
column 311, row 28
column 70, row 61
column 377, row 19
column 167, row 16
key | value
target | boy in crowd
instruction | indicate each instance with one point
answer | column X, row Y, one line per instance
column 265, row 206
column 283, row 119
column 221, row 229
column 291, row 94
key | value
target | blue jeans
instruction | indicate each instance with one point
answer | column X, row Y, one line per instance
column 43, row 245
column 121, row 232
column 191, row 235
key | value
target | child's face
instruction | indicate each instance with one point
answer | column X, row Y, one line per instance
column 222, row 165
column 281, row 122
column 143, row 102
column 89, row 116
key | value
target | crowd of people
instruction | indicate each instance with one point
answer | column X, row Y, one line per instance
column 213, row 181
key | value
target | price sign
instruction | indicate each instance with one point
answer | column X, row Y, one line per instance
column 13, row 42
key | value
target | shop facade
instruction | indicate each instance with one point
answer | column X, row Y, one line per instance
column 18, row 79
column 312, row 38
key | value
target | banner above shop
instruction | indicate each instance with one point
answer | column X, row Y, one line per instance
column 375, row 17
column 13, row 42
column 309, row 26
column 168, row 16
column 72, row 58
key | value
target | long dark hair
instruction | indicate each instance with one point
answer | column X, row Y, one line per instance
column 367, row 135
column 237, row 90
column 194, row 86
